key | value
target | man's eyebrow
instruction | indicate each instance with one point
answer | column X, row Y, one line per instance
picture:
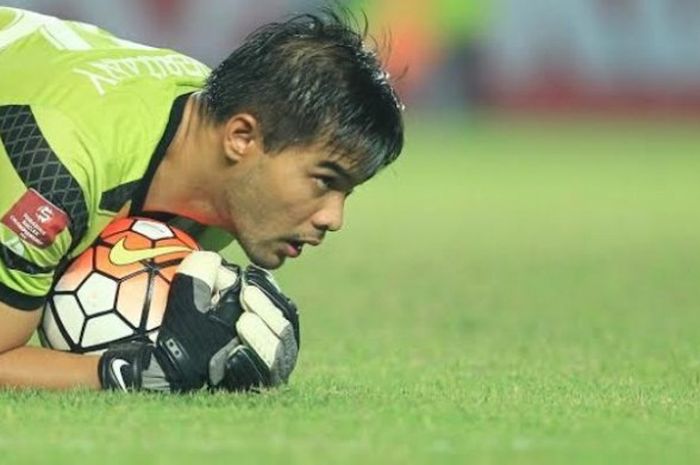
column 339, row 170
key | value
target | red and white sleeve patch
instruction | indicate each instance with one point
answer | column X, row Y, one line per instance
column 36, row 220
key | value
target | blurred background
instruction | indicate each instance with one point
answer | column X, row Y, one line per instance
column 622, row 56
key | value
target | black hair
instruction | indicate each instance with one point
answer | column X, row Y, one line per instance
column 310, row 79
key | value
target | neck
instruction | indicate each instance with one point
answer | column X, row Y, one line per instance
column 180, row 184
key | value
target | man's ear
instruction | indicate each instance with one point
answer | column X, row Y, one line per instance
column 242, row 137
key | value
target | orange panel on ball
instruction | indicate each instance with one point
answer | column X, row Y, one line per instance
column 168, row 273
column 186, row 239
column 132, row 297
column 135, row 241
column 76, row 272
column 116, row 226
column 170, row 257
column 159, row 297
column 131, row 240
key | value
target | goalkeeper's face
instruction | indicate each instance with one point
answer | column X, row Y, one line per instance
column 275, row 204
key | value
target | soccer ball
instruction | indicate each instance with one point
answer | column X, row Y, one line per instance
column 117, row 289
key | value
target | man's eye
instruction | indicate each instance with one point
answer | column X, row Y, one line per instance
column 324, row 182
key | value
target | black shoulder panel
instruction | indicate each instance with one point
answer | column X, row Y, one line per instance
column 39, row 167
column 114, row 199
column 16, row 262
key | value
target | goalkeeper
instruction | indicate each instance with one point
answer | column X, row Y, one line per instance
column 265, row 147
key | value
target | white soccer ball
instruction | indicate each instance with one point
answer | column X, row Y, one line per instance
column 117, row 289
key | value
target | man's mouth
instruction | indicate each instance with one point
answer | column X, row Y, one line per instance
column 294, row 247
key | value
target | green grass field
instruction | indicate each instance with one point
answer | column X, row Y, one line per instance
column 510, row 292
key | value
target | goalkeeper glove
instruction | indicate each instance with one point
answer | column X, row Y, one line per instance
column 209, row 304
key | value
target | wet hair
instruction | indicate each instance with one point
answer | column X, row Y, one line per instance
column 313, row 79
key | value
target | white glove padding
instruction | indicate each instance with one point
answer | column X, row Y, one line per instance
column 267, row 336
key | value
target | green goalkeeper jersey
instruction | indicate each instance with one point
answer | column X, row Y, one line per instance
column 85, row 118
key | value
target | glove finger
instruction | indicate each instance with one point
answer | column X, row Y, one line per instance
column 245, row 370
column 256, row 335
column 199, row 271
column 226, row 276
column 217, row 363
column 263, row 280
column 278, row 352
column 256, row 301
column 225, row 303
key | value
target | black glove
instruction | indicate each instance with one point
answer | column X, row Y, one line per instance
column 231, row 332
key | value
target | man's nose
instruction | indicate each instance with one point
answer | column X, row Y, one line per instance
column 330, row 216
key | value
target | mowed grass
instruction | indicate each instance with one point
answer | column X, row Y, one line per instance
column 509, row 292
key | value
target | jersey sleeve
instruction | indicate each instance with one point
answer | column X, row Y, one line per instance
column 43, row 206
